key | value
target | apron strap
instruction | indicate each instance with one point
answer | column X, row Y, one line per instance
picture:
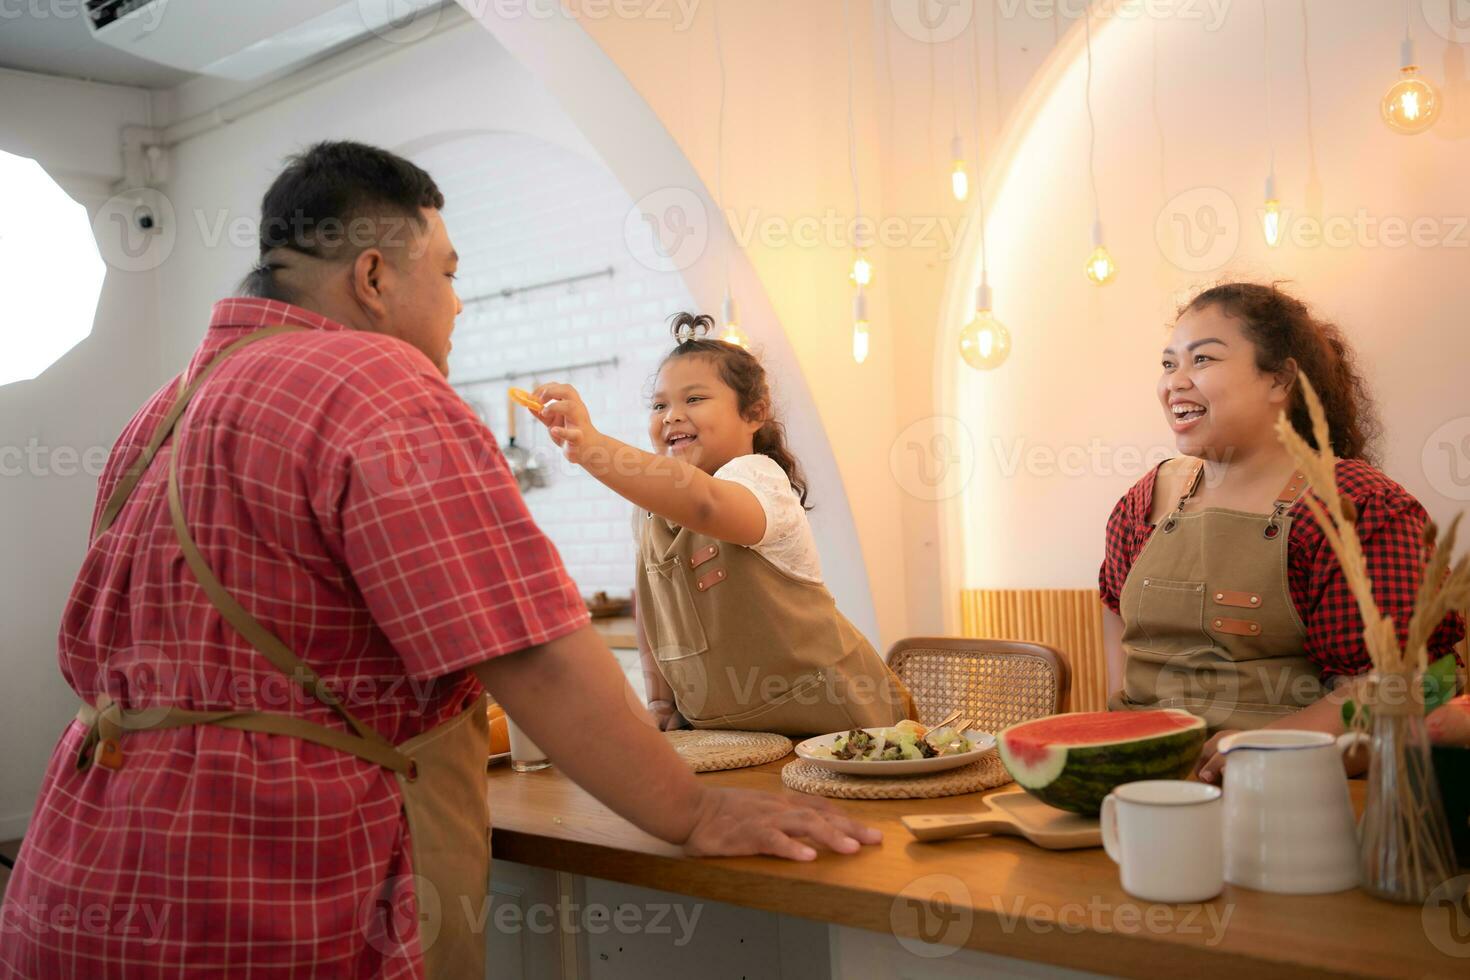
column 184, row 394
column 107, row 721
column 1295, row 486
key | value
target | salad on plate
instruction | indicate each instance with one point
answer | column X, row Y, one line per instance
column 908, row 740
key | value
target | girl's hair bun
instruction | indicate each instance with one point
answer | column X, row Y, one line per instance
column 689, row 327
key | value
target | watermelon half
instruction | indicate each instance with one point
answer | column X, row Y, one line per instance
column 1072, row 761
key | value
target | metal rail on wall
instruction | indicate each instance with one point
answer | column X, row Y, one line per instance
column 536, row 372
column 511, row 291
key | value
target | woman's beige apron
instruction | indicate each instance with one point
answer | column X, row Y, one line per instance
column 441, row 772
column 1208, row 620
column 745, row 646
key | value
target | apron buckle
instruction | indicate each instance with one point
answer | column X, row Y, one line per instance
column 109, row 754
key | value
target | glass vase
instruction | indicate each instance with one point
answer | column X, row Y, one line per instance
column 1404, row 836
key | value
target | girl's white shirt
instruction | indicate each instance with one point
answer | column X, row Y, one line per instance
column 788, row 542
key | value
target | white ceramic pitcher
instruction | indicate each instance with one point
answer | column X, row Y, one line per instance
column 1289, row 824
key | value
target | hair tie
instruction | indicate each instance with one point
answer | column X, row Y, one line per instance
column 689, row 330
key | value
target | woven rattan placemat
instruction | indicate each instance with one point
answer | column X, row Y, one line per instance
column 808, row 777
column 708, row 751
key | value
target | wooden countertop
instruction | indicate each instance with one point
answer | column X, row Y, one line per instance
column 1059, row 907
column 620, row 632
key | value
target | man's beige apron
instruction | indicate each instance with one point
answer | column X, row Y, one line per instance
column 441, row 772
column 745, row 646
column 1208, row 620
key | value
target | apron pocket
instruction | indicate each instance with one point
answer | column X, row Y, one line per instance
column 1170, row 615
column 679, row 642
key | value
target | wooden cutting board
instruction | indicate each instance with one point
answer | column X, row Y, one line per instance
column 1014, row 812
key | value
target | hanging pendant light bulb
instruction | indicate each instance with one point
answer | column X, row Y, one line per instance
column 1271, row 215
column 862, row 270
column 732, row 334
column 1100, row 265
column 959, row 179
column 1271, row 211
column 1412, row 105
column 985, row 343
column 860, row 327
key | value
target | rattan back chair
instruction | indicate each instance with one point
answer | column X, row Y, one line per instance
column 995, row 682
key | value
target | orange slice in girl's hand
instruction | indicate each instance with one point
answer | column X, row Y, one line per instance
column 524, row 397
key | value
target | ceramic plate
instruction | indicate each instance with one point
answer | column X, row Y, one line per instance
column 983, row 742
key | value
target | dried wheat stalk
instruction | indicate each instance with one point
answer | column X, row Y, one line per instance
column 1441, row 589
column 1402, row 850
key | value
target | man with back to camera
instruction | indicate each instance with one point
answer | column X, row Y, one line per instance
column 282, row 738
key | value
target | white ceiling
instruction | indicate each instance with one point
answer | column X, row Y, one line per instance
column 52, row 39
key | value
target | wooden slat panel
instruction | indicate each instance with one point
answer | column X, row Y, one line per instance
column 1068, row 619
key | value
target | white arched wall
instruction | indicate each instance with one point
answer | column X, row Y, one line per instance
column 1062, row 430
column 592, row 90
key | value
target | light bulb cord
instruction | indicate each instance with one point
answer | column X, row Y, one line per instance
column 1307, row 90
column 955, row 88
column 979, row 167
column 857, row 200
column 720, row 142
column 1091, row 120
column 1266, row 67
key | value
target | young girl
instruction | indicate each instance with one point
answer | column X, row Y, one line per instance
column 733, row 618
column 1223, row 595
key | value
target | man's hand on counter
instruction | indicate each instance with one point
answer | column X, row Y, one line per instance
column 571, row 697
column 734, row 822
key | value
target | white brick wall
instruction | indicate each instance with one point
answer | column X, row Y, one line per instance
column 521, row 211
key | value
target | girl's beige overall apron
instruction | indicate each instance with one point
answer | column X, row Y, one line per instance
column 1208, row 620
column 745, row 646
column 441, row 772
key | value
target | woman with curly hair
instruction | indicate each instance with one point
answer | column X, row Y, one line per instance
column 1223, row 596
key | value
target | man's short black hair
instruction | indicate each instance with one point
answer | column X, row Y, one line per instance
column 333, row 200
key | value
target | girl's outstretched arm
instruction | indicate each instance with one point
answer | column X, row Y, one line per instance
column 662, row 485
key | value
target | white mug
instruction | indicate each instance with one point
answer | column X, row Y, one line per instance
column 1289, row 824
column 1164, row 835
column 525, row 755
